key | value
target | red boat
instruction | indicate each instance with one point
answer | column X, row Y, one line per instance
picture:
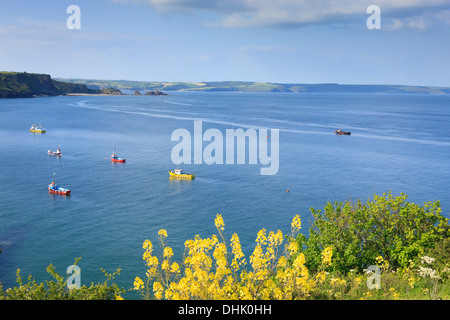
column 53, row 188
column 341, row 133
column 115, row 158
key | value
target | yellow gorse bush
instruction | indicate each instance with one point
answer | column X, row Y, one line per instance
column 213, row 269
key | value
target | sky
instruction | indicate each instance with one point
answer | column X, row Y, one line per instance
column 281, row 41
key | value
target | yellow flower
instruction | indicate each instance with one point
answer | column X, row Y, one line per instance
column 152, row 261
column 118, row 297
column 275, row 239
column 358, row 280
column 158, row 290
column 147, row 245
column 299, row 262
column 238, row 258
column 326, row 255
column 219, row 222
column 296, row 223
column 175, row 268
column 411, row 282
column 165, row 265
column 334, row 281
column 257, row 259
column 147, row 255
column 320, row 277
column 293, row 247
column 138, row 283
column 282, row 262
column 394, row 293
column 261, row 237
column 168, row 252
column 162, row 233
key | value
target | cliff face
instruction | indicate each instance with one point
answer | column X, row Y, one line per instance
column 65, row 87
column 26, row 85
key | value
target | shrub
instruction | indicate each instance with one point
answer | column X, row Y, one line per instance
column 57, row 289
column 387, row 226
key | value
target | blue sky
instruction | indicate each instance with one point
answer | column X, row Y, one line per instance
column 286, row 41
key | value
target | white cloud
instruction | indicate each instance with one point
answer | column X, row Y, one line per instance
column 420, row 22
column 291, row 13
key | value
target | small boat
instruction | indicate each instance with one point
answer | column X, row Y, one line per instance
column 178, row 173
column 342, row 133
column 53, row 188
column 37, row 129
column 56, row 153
column 115, row 158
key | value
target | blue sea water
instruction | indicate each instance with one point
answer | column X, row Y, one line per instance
column 399, row 143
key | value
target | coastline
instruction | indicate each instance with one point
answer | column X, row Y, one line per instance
column 90, row 94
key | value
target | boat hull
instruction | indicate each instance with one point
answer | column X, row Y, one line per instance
column 38, row 130
column 59, row 190
column 122, row 160
column 53, row 153
column 186, row 176
column 343, row 133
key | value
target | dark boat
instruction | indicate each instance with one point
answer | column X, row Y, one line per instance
column 342, row 133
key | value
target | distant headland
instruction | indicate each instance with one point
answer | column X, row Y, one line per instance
column 246, row 86
column 27, row 85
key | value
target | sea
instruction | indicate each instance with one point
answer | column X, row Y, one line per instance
column 398, row 143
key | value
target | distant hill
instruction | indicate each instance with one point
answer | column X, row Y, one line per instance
column 245, row 86
column 26, row 85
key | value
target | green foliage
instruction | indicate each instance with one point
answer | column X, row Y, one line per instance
column 57, row 289
column 387, row 226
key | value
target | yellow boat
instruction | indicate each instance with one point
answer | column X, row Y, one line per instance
column 178, row 174
column 38, row 129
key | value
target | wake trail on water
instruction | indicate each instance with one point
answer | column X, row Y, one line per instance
column 193, row 116
column 177, row 103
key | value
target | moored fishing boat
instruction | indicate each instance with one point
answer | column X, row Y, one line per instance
column 56, row 153
column 53, row 188
column 178, row 173
column 115, row 158
column 37, row 129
